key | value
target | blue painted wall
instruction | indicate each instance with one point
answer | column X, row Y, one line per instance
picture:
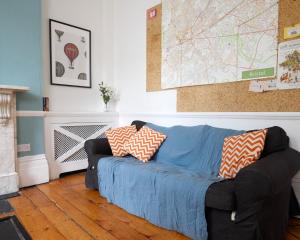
column 31, row 131
column 21, row 64
column 20, row 44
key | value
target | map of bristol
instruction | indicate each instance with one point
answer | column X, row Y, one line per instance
column 217, row 41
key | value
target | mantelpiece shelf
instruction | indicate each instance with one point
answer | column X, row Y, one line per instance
column 14, row 88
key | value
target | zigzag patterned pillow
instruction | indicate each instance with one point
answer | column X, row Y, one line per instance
column 144, row 144
column 240, row 151
column 117, row 137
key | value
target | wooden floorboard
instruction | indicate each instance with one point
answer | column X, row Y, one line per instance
column 34, row 221
column 66, row 209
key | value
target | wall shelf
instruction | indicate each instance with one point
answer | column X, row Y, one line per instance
column 14, row 88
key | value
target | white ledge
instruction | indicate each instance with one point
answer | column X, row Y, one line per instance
column 80, row 114
column 224, row 115
column 14, row 88
column 31, row 114
column 186, row 115
column 64, row 114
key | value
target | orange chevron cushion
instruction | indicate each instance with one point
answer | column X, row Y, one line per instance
column 144, row 143
column 240, row 151
column 117, row 137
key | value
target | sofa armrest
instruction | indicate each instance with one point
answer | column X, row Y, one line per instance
column 225, row 189
column 265, row 178
column 101, row 145
column 97, row 146
column 95, row 149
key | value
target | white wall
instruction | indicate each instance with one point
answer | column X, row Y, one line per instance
column 130, row 60
column 240, row 121
column 95, row 15
column 118, row 55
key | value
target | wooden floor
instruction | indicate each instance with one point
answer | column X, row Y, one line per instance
column 65, row 209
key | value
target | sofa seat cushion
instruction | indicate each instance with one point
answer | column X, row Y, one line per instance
column 164, row 194
column 220, row 195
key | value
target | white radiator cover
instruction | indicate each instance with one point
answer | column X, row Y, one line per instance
column 65, row 138
column 69, row 140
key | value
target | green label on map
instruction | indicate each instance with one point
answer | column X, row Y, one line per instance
column 258, row 73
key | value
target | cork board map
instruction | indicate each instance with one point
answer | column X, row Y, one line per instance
column 196, row 32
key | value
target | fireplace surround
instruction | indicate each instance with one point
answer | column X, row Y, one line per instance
column 8, row 175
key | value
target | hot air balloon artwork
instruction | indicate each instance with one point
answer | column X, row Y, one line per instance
column 59, row 34
column 71, row 52
column 60, row 69
column 82, row 76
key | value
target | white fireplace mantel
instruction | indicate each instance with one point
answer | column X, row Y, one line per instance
column 9, row 181
column 7, row 93
column 14, row 88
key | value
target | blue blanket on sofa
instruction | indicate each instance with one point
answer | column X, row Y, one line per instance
column 168, row 191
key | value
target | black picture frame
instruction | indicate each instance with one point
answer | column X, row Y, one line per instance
column 60, row 36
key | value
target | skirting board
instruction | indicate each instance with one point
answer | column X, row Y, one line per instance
column 32, row 170
column 8, row 183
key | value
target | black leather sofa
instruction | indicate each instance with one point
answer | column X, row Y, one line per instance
column 254, row 206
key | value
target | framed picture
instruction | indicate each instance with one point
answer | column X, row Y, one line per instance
column 70, row 55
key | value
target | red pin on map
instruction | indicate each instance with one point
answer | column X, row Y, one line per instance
column 152, row 13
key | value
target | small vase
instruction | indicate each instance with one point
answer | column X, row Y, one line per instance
column 106, row 107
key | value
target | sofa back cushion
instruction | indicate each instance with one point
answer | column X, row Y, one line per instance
column 138, row 124
column 276, row 140
column 197, row 148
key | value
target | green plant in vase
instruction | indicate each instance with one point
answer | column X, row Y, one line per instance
column 106, row 94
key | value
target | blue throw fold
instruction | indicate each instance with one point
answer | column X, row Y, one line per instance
column 198, row 148
column 168, row 191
